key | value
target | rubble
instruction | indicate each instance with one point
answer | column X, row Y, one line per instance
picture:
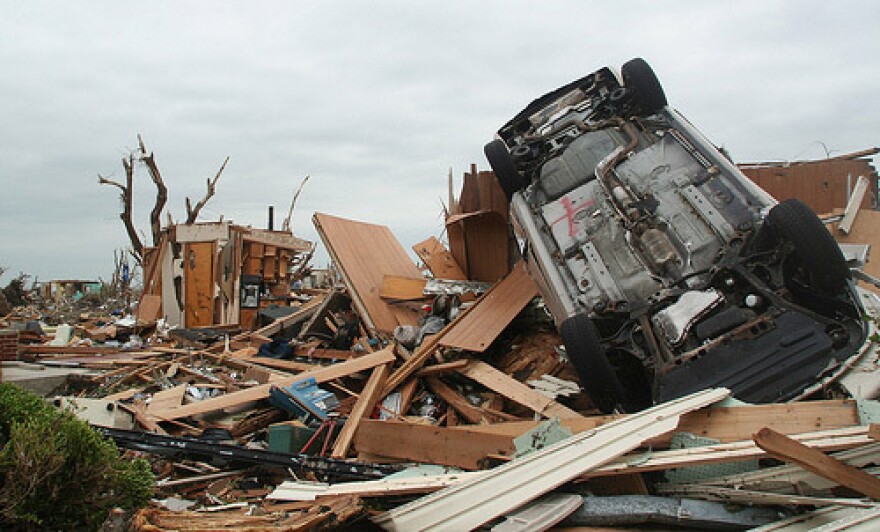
column 407, row 396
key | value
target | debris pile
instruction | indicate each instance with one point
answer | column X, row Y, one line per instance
column 396, row 394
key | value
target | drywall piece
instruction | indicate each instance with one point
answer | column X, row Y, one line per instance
column 832, row 518
column 299, row 490
column 828, row 440
column 784, row 448
column 791, row 478
column 514, row 390
column 749, row 497
column 478, row 500
column 256, row 393
column 852, row 205
column 540, row 514
column 492, row 312
column 364, row 254
column 100, row 412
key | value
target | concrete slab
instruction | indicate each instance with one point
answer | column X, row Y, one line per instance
column 37, row 378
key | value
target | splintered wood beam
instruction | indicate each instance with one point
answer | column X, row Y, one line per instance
column 516, row 391
column 784, row 448
column 468, row 411
column 362, row 408
column 256, row 393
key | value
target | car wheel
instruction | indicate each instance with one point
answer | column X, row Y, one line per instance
column 815, row 250
column 585, row 351
column 505, row 170
column 639, row 77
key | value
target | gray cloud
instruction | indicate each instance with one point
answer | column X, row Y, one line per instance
column 375, row 100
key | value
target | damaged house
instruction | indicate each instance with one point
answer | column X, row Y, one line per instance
column 219, row 273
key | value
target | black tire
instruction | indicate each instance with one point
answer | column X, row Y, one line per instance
column 505, row 170
column 815, row 251
column 639, row 77
column 585, row 351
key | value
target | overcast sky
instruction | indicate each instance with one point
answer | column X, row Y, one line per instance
column 375, row 100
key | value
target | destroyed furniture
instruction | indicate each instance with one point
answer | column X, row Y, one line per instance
column 665, row 269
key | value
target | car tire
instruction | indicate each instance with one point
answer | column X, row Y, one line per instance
column 815, row 250
column 584, row 348
column 639, row 77
column 505, row 170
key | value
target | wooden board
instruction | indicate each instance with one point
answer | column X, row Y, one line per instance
column 492, row 312
column 467, row 449
column 256, row 393
column 784, row 448
column 198, row 261
column 365, row 404
column 439, row 260
column 149, row 308
column 479, row 242
column 516, row 391
column 364, row 254
column 402, row 288
column 726, row 424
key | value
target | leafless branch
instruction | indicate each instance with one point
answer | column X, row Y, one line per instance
column 125, row 215
column 285, row 226
column 161, row 191
column 193, row 212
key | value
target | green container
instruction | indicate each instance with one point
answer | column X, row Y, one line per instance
column 290, row 437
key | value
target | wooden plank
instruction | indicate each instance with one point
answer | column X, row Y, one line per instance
column 364, row 253
column 198, row 260
column 784, row 448
column 516, row 391
column 461, row 405
column 430, row 444
column 149, row 308
column 167, row 399
column 439, row 260
column 853, row 205
column 402, row 288
column 492, row 312
column 828, row 440
column 726, row 424
column 256, row 393
column 365, row 404
column 281, row 323
column 486, row 245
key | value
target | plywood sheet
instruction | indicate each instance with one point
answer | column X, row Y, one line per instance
column 365, row 253
column 439, row 260
column 479, row 243
column 492, row 312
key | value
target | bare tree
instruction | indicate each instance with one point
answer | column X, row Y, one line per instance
column 285, row 226
column 147, row 158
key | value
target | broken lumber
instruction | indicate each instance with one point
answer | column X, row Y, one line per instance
column 789, row 450
column 362, row 408
column 483, row 497
column 256, row 393
column 516, row 391
column 492, row 312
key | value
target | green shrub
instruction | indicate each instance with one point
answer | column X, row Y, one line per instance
column 56, row 472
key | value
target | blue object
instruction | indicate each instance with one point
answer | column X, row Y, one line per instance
column 305, row 399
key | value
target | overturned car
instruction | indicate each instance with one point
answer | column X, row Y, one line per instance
column 665, row 269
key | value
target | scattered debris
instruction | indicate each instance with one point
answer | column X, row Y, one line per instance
column 268, row 395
